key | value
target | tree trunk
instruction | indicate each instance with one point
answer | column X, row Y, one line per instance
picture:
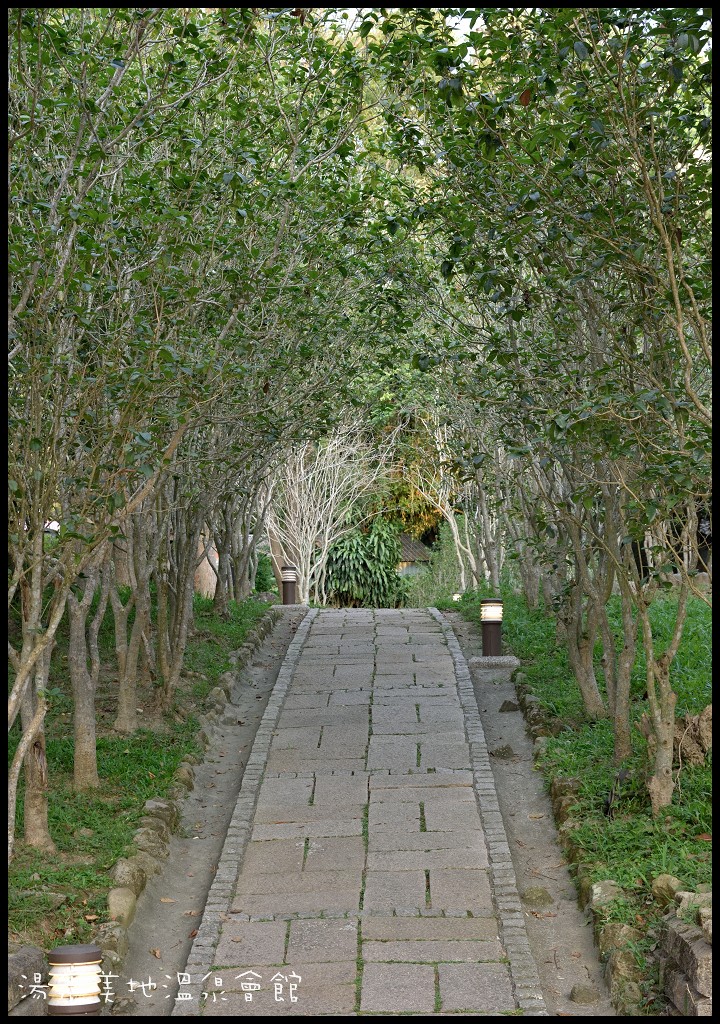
column 85, row 773
column 36, row 828
column 661, row 784
column 143, row 535
column 580, row 641
column 126, row 720
column 661, row 701
column 32, row 665
column 530, row 579
column 222, row 538
column 489, row 542
column 181, row 573
column 619, row 694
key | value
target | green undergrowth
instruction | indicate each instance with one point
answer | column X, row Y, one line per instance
column 631, row 848
column 61, row 897
column 214, row 638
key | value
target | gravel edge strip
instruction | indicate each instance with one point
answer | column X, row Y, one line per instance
column 221, row 892
column 523, row 972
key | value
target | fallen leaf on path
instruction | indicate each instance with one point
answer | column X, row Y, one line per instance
column 194, row 913
column 706, row 836
column 534, row 817
column 157, row 953
column 166, row 899
column 90, row 917
column 193, row 933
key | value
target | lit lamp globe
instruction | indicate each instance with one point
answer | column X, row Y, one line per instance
column 74, row 989
column 491, row 613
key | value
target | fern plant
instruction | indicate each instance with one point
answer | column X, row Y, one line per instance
column 362, row 568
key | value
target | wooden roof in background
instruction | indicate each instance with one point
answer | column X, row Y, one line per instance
column 413, row 550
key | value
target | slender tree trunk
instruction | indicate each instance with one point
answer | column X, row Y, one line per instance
column 222, row 538
column 580, row 638
column 32, row 666
column 661, row 701
column 489, row 542
column 133, row 642
column 187, row 530
column 26, row 741
column 126, row 719
column 85, row 773
column 37, row 830
column 624, row 667
column 529, row 577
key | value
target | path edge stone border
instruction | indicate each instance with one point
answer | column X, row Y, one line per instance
column 220, row 896
column 523, row 972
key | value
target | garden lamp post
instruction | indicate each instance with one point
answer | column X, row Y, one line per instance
column 491, row 612
column 289, row 577
column 74, row 989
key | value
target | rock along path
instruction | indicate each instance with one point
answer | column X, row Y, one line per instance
column 366, row 861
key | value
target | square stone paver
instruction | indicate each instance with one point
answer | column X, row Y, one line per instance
column 398, row 840
column 322, row 941
column 270, row 813
column 428, row 928
column 350, row 697
column 451, row 816
column 398, row 988
column 293, row 761
column 436, row 754
column 251, row 943
column 330, row 854
column 276, row 855
column 406, row 860
column 460, row 890
column 298, row 882
column 299, row 829
column 324, row 989
column 286, row 791
column 296, row 738
column 484, row 987
column 392, row 752
column 388, row 889
column 392, row 815
column 330, row 788
column 433, row 951
column 447, row 780
column 299, row 902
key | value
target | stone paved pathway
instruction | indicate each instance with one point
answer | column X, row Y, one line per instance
column 366, row 854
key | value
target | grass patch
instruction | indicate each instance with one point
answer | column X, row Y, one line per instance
column 62, row 897
column 214, row 638
column 632, row 848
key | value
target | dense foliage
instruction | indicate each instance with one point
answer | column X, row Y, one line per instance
column 239, row 234
column 362, row 568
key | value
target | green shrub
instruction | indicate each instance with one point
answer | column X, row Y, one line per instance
column 264, row 577
column 362, row 568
